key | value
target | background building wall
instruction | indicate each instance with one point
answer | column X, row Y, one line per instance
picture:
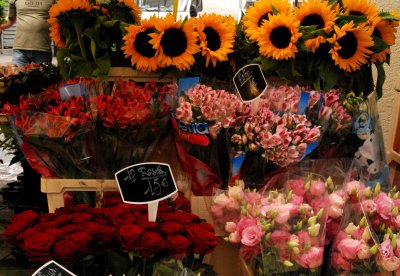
column 387, row 104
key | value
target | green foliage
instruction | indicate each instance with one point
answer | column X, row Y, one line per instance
column 3, row 16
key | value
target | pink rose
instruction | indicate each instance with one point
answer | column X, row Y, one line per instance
column 252, row 235
column 339, row 262
column 349, row 248
column 312, row 259
column 317, row 187
column 297, row 186
column 384, row 205
column 368, row 206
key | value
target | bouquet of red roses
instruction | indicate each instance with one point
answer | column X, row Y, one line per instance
column 122, row 239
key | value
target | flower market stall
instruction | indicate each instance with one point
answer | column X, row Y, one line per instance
column 268, row 127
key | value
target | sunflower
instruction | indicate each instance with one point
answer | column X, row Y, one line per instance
column 361, row 7
column 175, row 44
column 385, row 30
column 217, row 37
column 60, row 8
column 315, row 12
column 259, row 12
column 277, row 37
column 124, row 10
column 350, row 46
column 137, row 46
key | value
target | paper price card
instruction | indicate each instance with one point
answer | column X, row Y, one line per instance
column 52, row 268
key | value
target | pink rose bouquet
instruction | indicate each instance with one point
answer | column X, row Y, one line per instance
column 369, row 242
column 283, row 230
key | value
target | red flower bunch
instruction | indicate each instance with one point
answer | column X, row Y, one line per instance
column 95, row 133
column 72, row 233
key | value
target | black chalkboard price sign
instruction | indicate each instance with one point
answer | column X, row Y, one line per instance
column 250, row 82
column 52, row 268
column 146, row 182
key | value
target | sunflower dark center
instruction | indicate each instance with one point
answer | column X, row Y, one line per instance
column 348, row 42
column 174, row 42
column 280, row 37
column 313, row 19
column 213, row 39
column 142, row 45
column 358, row 13
column 265, row 16
column 376, row 33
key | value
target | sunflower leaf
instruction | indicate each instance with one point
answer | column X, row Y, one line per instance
column 388, row 16
column 379, row 45
column 380, row 79
column 328, row 73
column 357, row 19
column 268, row 65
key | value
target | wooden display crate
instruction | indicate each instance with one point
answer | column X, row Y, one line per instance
column 55, row 189
column 117, row 73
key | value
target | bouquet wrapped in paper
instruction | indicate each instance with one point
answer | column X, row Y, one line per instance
column 76, row 130
column 369, row 240
column 200, row 123
column 130, row 123
column 282, row 230
column 55, row 135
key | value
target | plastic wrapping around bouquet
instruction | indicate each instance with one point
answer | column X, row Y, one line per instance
column 204, row 158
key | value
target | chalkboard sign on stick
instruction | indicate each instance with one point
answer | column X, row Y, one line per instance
column 52, row 268
column 250, row 82
column 146, row 183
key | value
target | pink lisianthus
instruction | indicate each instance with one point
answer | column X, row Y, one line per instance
column 364, row 252
column 236, row 192
column 246, row 223
column 349, row 248
column 296, row 200
column 317, row 187
column 353, row 187
column 306, row 240
column 232, row 204
column 297, row 186
column 252, row 235
column 279, row 237
column 386, row 249
column 384, row 205
column 230, row 227
column 368, row 206
column 253, row 197
column 312, row 259
column 234, row 237
column 388, row 264
column 249, row 252
column 339, row 262
column 397, row 251
column 283, row 213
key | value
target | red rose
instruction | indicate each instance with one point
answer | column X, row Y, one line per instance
column 107, row 233
column 113, row 212
column 63, row 219
column 69, row 228
column 14, row 229
column 140, row 207
column 178, row 246
column 46, row 224
column 128, row 234
column 38, row 246
column 83, row 239
column 178, row 216
column 91, row 227
column 80, row 207
column 171, row 227
column 27, row 232
column 81, row 217
column 204, row 241
column 124, row 218
column 47, row 217
column 55, row 232
column 66, row 251
column 28, row 216
column 182, row 203
column 146, row 224
column 149, row 243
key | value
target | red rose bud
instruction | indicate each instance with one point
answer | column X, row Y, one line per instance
column 149, row 244
column 178, row 246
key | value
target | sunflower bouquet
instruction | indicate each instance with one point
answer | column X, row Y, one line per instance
column 193, row 45
column 88, row 35
column 323, row 44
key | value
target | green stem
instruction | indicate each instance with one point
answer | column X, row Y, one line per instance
column 144, row 266
column 78, row 26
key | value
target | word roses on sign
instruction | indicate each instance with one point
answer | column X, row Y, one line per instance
column 146, row 182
